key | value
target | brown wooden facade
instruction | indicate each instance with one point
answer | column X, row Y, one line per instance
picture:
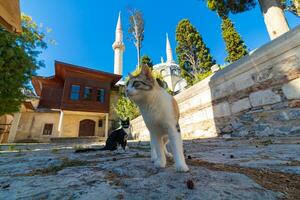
column 55, row 91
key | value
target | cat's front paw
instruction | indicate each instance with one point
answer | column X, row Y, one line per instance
column 159, row 164
column 182, row 168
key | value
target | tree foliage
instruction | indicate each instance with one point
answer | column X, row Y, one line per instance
column 125, row 108
column 18, row 62
column 146, row 60
column 292, row 6
column 136, row 30
column 224, row 7
column 235, row 46
column 193, row 56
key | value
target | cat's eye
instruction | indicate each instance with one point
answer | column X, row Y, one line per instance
column 136, row 84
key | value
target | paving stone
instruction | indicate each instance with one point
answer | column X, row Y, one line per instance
column 27, row 175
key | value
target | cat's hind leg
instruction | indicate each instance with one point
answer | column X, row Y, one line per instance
column 160, row 162
column 177, row 148
column 165, row 142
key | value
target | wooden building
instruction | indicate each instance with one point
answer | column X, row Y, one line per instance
column 75, row 102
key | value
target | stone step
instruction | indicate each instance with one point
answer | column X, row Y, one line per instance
column 85, row 139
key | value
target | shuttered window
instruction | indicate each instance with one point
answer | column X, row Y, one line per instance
column 100, row 95
column 87, row 93
column 47, row 129
column 75, row 92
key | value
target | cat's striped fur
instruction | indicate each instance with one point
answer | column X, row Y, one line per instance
column 161, row 114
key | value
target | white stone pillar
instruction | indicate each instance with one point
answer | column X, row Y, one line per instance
column 215, row 68
column 274, row 18
column 14, row 127
column 106, row 125
column 60, row 123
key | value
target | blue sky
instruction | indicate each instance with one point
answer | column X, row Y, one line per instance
column 84, row 29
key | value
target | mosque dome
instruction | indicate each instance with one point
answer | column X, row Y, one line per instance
column 170, row 71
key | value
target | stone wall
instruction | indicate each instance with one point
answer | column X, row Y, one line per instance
column 259, row 95
column 71, row 123
column 31, row 126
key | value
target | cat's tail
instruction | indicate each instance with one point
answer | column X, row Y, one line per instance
column 84, row 150
column 103, row 149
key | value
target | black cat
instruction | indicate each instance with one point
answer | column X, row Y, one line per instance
column 116, row 138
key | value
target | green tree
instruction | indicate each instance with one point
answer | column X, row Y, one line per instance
column 18, row 62
column 125, row 108
column 146, row 60
column 136, row 31
column 223, row 7
column 235, row 46
column 292, row 6
column 193, row 56
column 272, row 11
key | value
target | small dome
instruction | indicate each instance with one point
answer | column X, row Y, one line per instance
column 165, row 65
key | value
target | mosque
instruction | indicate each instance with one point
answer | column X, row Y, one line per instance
column 170, row 71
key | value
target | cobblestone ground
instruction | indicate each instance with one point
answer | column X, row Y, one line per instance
column 267, row 168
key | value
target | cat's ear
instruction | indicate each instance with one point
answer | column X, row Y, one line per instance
column 146, row 71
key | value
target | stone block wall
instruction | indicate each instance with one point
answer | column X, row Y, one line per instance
column 31, row 126
column 259, row 95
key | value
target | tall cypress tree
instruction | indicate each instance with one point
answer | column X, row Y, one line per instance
column 235, row 46
column 193, row 56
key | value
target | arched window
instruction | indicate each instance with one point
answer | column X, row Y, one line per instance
column 175, row 72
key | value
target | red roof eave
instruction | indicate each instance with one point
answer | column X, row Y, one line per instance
column 60, row 68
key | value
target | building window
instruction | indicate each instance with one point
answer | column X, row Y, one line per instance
column 100, row 95
column 87, row 95
column 175, row 72
column 100, row 123
column 47, row 129
column 75, row 92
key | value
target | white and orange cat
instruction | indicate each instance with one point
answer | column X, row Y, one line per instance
column 161, row 114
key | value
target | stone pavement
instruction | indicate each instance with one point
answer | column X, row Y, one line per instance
column 233, row 168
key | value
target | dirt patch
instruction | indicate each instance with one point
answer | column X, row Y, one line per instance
column 54, row 169
column 288, row 184
column 114, row 180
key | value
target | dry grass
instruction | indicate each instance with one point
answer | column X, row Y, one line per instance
column 54, row 169
column 288, row 184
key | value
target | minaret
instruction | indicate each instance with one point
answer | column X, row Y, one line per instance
column 118, row 47
column 169, row 51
